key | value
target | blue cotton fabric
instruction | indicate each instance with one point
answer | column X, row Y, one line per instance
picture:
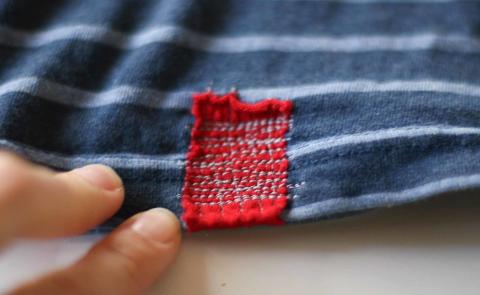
column 386, row 93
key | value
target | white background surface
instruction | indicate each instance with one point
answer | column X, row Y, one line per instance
column 427, row 248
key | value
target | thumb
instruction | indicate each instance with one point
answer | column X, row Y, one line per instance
column 128, row 261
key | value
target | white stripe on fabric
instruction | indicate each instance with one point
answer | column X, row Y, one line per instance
column 123, row 94
column 363, row 86
column 301, row 149
column 136, row 161
column 330, row 207
column 240, row 44
column 152, row 98
column 176, row 161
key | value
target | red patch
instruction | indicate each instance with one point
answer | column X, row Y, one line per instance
column 236, row 172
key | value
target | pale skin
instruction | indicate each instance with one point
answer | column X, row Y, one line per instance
column 39, row 203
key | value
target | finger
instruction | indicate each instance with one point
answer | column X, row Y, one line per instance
column 128, row 261
column 38, row 202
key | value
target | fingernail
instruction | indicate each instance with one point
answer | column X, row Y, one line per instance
column 100, row 176
column 159, row 225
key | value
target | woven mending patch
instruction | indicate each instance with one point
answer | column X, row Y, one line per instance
column 236, row 172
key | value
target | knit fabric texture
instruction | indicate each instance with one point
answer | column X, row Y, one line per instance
column 236, row 171
column 385, row 95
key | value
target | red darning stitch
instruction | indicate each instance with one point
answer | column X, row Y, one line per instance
column 236, row 172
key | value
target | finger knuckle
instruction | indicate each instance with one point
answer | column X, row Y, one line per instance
column 15, row 178
column 131, row 254
column 68, row 281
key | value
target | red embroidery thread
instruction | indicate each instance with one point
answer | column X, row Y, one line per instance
column 236, row 172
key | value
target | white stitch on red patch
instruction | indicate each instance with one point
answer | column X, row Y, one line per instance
column 236, row 172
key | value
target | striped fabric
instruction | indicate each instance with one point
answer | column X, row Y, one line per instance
column 385, row 93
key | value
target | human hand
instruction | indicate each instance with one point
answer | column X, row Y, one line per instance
column 38, row 203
